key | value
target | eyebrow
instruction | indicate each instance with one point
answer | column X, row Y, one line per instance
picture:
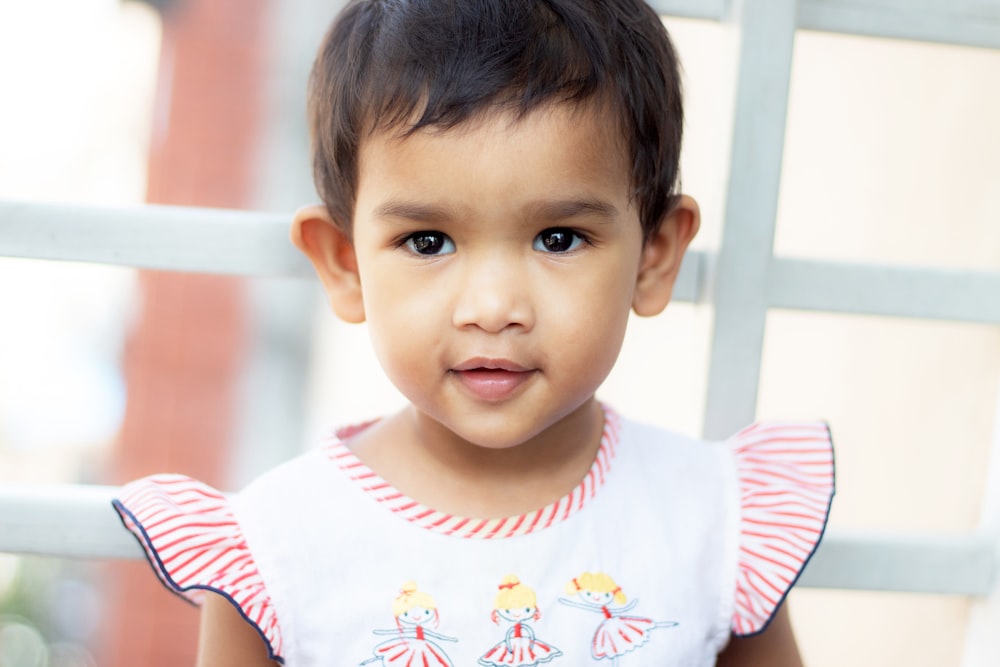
column 560, row 209
column 550, row 210
column 413, row 211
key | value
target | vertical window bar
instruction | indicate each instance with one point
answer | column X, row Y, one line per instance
column 767, row 34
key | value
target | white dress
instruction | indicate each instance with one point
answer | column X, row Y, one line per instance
column 689, row 542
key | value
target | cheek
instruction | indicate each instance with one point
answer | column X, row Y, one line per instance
column 402, row 352
column 402, row 325
column 593, row 322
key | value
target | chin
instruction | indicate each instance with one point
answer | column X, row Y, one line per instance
column 495, row 441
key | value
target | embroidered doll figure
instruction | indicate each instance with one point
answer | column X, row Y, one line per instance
column 617, row 634
column 414, row 610
column 516, row 604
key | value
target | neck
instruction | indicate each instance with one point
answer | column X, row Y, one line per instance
column 424, row 460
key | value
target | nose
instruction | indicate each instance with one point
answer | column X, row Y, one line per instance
column 493, row 295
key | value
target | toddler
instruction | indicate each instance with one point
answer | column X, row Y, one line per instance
column 498, row 184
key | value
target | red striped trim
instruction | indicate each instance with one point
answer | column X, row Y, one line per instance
column 194, row 543
column 570, row 503
column 449, row 524
column 534, row 522
column 786, row 478
column 496, row 529
column 553, row 513
column 478, row 528
column 461, row 522
column 517, row 524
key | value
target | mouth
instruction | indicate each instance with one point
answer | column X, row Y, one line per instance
column 492, row 379
column 490, row 364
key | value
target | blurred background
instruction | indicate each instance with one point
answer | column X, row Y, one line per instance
column 892, row 155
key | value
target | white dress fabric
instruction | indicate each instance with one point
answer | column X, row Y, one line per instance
column 667, row 547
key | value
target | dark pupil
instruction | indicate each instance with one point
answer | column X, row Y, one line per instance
column 428, row 244
column 558, row 240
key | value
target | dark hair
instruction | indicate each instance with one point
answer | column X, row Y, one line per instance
column 411, row 64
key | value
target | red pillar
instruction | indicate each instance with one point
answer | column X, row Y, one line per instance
column 183, row 358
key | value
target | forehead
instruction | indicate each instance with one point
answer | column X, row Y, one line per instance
column 594, row 116
column 552, row 152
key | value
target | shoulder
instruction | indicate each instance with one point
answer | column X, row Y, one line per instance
column 767, row 490
column 318, row 470
column 776, row 440
column 656, row 441
column 651, row 451
column 671, row 469
column 195, row 545
column 772, row 454
column 294, row 476
column 200, row 540
column 785, row 475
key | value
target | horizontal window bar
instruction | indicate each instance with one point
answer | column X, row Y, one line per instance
column 711, row 10
column 940, row 564
column 966, row 23
column 71, row 521
column 171, row 238
column 969, row 23
column 966, row 296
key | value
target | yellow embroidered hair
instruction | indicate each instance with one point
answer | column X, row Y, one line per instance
column 596, row 582
column 513, row 594
column 409, row 597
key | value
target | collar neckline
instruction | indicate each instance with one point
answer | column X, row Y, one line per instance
column 452, row 524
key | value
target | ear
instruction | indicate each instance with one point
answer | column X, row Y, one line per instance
column 332, row 255
column 662, row 255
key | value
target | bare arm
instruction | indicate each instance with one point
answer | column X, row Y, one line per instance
column 775, row 647
column 227, row 640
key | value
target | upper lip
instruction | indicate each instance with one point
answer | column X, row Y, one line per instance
column 491, row 364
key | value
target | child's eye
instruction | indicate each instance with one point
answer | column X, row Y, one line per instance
column 557, row 239
column 429, row 243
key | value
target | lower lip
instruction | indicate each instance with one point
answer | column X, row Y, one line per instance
column 493, row 384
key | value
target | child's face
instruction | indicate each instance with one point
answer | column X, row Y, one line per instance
column 498, row 262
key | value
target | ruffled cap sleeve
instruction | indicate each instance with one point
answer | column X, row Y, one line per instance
column 786, row 483
column 194, row 544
